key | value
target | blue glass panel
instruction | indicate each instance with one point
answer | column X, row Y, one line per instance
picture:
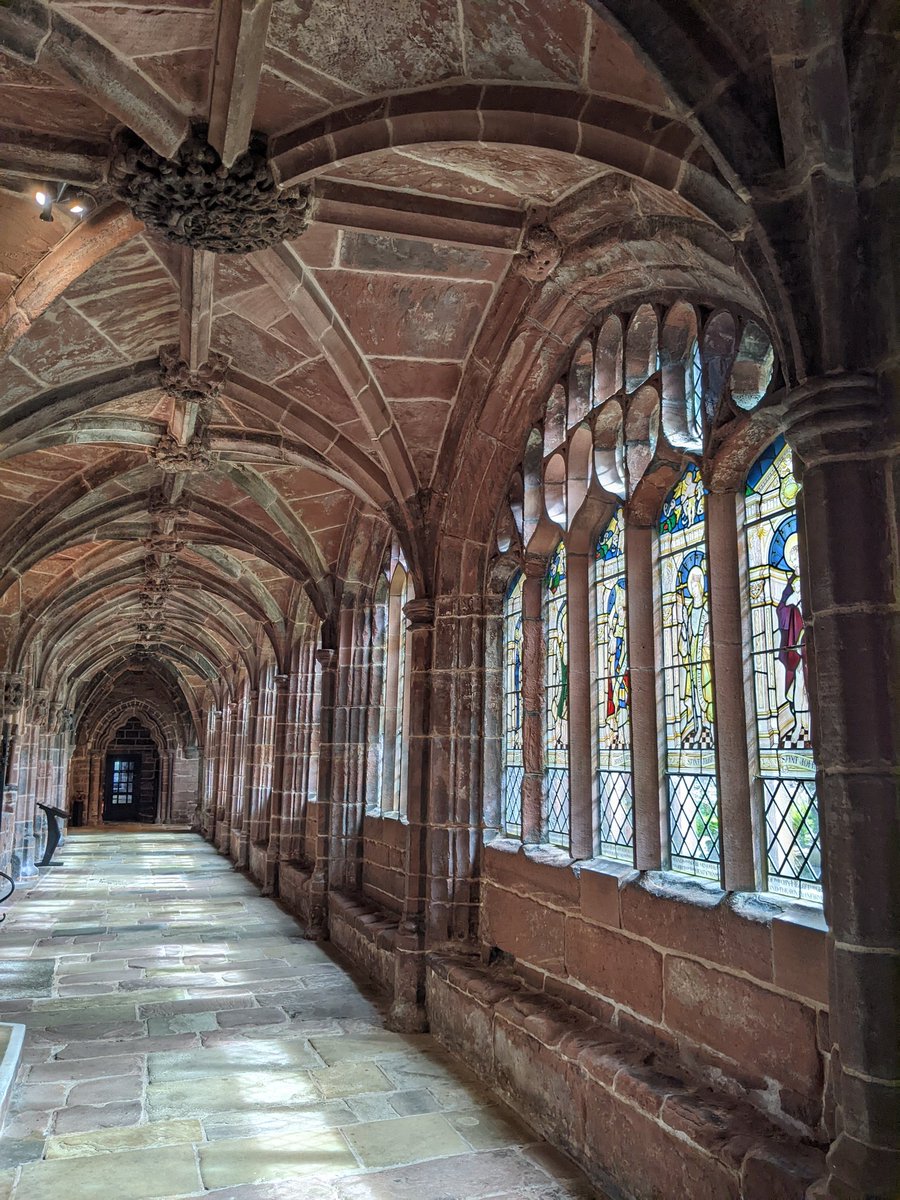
column 778, row 651
column 556, row 698
column 687, row 680
column 613, row 740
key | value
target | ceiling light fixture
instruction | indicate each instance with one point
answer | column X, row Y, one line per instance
column 77, row 204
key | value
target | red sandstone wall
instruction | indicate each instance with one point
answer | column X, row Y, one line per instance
column 384, row 861
column 736, row 990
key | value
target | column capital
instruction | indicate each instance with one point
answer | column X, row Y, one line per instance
column 833, row 415
column 326, row 657
column 282, row 681
column 534, row 566
column 419, row 613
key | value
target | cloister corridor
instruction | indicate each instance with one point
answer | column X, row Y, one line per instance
column 183, row 1039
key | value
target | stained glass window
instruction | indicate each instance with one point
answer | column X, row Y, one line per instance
column 693, row 392
column 556, row 699
column 778, row 651
column 687, row 680
column 399, row 799
column 614, row 785
column 513, row 762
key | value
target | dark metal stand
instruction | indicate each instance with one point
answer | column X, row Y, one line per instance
column 54, row 831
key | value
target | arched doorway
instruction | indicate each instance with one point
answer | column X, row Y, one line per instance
column 131, row 779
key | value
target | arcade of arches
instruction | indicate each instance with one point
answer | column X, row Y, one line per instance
column 449, row 459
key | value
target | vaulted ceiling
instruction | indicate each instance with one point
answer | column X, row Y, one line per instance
column 438, row 141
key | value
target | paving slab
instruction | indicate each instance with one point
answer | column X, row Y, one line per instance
column 185, row 1040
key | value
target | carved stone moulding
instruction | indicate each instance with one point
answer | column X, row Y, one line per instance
column 540, row 254
column 197, row 201
column 169, row 455
column 163, row 543
column 199, row 386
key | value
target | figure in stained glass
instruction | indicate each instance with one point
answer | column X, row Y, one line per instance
column 513, row 768
column 687, row 679
column 792, row 642
column 557, row 682
column 613, row 692
column 556, row 697
column 778, row 649
column 692, row 613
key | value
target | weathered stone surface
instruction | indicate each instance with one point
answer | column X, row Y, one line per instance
column 193, row 199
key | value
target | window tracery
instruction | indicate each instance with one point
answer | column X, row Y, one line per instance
column 630, row 434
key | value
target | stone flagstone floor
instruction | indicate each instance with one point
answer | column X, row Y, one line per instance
column 184, row 1040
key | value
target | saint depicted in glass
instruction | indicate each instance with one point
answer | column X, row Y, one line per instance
column 513, row 763
column 778, row 646
column 556, row 698
column 687, row 680
column 613, row 717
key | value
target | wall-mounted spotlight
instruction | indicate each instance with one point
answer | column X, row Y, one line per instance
column 73, row 202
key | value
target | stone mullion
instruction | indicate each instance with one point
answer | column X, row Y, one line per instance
column 407, row 1010
column 581, row 773
column 10, row 793
column 352, row 776
column 295, row 765
column 651, row 834
column 224, row 767
column 319, row 880
column 311, row 771
column 848, row 523
column 289, row 751
column 223, row 834
column 259, row 819
column 492, row 704
column 240, row 766
column 26, row 810
column 740, row 834
column 358, row 749
column 339, row 750
column 389, row 765
column 304, row 764
column 251, row 778
column 293, row 815
column 534, row 802
column 375, row 710
column 276, row 796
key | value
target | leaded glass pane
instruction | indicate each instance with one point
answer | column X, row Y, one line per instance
column 687, row 680
column 513, row 762
column 778, row 651
column 556, row 699
column 614, row 787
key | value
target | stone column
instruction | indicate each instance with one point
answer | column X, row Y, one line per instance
column 651, row 834
column 223, row 828
column 534, row 804
column 740, row 840
column 408, row 1008
column 276, row 801
column 251, row 778
column 320, row 815
column 848, row 508
column 340, row 752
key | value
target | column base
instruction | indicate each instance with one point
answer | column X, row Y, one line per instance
column 407, row 1016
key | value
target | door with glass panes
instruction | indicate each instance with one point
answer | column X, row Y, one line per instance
column 123, row 786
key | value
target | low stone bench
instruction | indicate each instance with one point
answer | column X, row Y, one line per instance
column 633, row 1119
column 367, row 934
